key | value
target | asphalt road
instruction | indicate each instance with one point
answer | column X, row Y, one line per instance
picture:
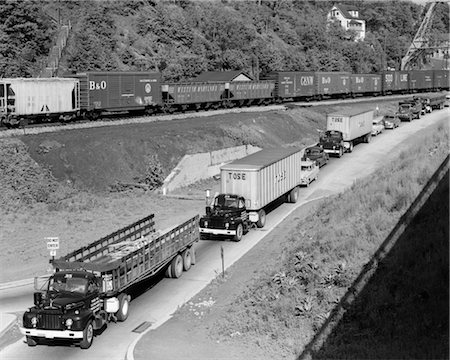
column 159, row 299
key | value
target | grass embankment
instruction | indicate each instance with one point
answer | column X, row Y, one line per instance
column 283, row 308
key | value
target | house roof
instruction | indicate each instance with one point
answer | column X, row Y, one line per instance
column 344, row 9
column 208, row 76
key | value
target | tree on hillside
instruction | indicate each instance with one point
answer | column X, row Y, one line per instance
column 25, row 37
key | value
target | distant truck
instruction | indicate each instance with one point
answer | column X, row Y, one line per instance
column 90, row 285
column 409, row 109
column 248, row 186
column 345, row 129
column 431, row 102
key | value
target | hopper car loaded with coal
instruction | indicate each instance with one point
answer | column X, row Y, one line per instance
column 93, row 94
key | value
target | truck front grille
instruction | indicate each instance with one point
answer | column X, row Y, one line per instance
column 50, row 322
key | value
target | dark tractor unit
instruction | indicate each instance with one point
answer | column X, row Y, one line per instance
column 90, row 286
column 409, row 109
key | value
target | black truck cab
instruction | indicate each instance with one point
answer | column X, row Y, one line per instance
column 226, row 215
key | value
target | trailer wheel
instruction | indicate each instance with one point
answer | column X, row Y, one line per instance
column 176, row 267
column 124, row 307
column 350, row 149
column 293, row 195
column 31, row 341
column 239, row 233
column 368, row 138
column 340, row 153
column 187, row 261
column 261, row 219
column 88, row 336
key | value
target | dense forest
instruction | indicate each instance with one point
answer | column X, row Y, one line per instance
column 182, row 38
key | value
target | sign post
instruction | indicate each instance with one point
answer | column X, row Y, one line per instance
column 223, row 262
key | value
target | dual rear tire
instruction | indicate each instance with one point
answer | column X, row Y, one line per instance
column 181, row 262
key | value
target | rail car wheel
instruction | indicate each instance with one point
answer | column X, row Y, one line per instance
column 261, row 219
column 187, row 260
column 88, row 336
column 124, row 307
column 239, row 233
column 293, row 195
column 176, row 267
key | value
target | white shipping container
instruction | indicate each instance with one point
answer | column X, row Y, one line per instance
column 262, row 177
column 41, row 96
column 352, row 123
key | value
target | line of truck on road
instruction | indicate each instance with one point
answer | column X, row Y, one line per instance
column 90, row 286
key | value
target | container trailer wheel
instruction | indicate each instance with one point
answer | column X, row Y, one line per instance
column 293, row 195
column 187, row 260
column 88, row 336
column 261, row 219
column 239, row 233
column 124, row 307
column 340, row 152
column 350, row 149
column 176, row 267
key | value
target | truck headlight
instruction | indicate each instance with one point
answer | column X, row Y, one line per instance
column 205, row 224
column 227, row 225
column 34, row 321
column 69, row 323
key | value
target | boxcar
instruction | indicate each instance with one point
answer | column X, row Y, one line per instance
column 293, row 85
column 395, row 82
column 441, row 79
column 364, row 84
column 38, row 99
column 119, row 91
column 421, row 80
column 333, row 83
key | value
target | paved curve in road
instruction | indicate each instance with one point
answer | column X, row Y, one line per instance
column 158, row 303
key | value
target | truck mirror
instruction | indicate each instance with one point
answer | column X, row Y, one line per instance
column 208, row 210
column 37, row 297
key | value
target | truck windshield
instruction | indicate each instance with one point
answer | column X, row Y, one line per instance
column 405, row 107
column 333, row 134
column 225, row 202
column 69, row 284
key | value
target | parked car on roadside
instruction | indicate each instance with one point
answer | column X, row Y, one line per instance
column 391, row 121
column 377, row 126
column 317, row 154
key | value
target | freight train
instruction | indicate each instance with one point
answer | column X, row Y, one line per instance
column 92, row 94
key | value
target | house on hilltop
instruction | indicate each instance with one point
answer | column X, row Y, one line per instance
column 348, row 18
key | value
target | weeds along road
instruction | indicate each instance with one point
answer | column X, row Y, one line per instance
column 163, row 297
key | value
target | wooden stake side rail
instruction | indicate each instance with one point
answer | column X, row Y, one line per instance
column 101, row 247
column 156, row 252
column 150, row 259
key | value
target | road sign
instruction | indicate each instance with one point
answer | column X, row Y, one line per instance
column 52, row 243
column 52, row 252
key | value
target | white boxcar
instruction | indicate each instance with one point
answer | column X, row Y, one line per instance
column 23, row 98
column 263, row 177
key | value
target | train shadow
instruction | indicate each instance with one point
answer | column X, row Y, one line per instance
column 402, row 311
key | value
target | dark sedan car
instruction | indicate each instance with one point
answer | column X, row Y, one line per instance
column 317, row 154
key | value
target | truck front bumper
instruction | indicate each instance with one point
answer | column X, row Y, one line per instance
column 331, row 151
column 217, row 231
column 52, row 334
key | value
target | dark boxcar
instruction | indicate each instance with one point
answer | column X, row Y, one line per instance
column 395, row 82
column 420, row 80
column 248, row 90
column 365, row 83
column 441, row 79
column 333, row 83
column 193, row 93
column 119, row 91
column 295, row 85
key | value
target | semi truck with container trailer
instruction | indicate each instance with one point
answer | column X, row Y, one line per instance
column 90, row 286
column 409, row 109
column 345, row 129
column 248, row 186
